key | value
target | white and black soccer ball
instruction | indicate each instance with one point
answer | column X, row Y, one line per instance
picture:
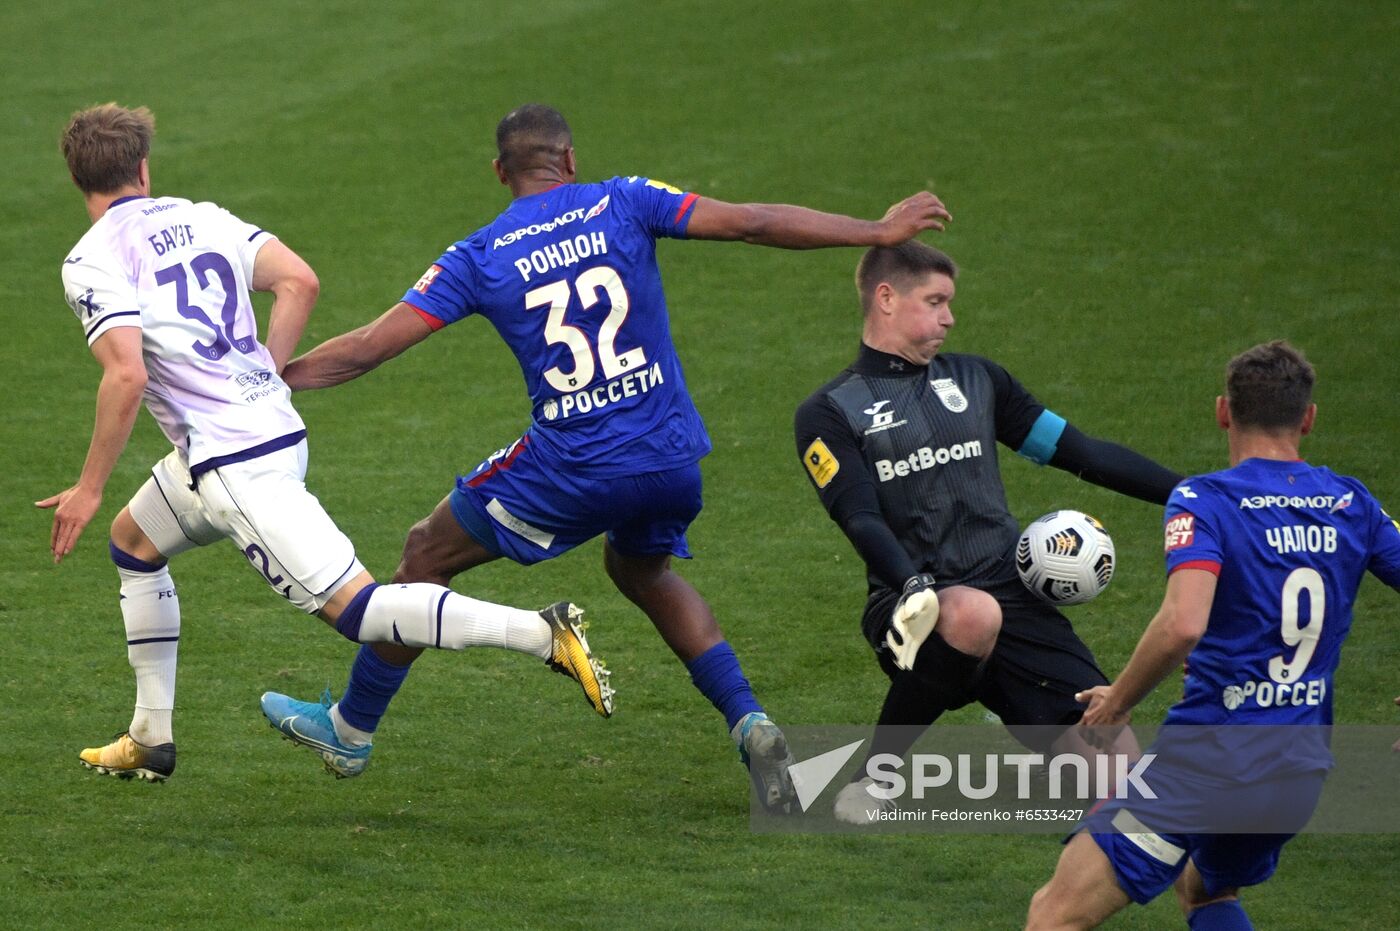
column 1065, row 558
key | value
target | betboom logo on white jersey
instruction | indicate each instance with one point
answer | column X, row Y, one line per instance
column 926, row 458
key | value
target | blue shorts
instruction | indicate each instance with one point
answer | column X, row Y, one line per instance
column 1148, row 841
column 529, row 511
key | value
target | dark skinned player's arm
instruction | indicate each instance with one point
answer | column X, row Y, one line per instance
column 788, row 227
column 351, row 354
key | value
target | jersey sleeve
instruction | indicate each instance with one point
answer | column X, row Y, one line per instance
column 1385, row 549
column 1022, row 422
column 446, row 292
column 663, row 210
column 838, row 472
column 246, row 237
column 1191, row 535
column 101, row 298
column 828, row 450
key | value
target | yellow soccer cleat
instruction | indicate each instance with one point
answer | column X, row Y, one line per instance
column 572, row 657
column 125, row 759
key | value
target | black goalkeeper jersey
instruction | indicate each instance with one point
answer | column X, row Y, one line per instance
column 924, row 439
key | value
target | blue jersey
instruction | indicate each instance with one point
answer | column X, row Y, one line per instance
column 1289, row 543
column 569, row 279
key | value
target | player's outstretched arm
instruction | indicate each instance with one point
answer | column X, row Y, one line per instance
column 1114, row 467
column 294, row 287
column 118, row 401
column 350, row 355
column 1174, row 632
column 789, row 227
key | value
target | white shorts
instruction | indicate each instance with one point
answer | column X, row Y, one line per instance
column 262, row 505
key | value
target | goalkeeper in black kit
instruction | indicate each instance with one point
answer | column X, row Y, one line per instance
column 901, row 448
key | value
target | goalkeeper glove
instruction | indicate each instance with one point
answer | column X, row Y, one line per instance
column 915, row 615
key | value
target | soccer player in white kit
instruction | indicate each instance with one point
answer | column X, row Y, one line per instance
column 160, row 287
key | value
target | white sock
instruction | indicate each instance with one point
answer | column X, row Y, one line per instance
column 347, row 733
column 151, row 613
column 420, row 614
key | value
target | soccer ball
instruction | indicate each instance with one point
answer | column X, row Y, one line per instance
column 1065, row 557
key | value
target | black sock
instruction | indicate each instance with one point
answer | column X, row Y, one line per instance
column 942, row 679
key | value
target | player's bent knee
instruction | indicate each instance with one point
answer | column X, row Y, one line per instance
column 634, row 576
column 968, row 619
column 128, row 537
column 344, row 596
column 416, row 564
column 1036, row 917
column 417, row 540
column 1051, row 908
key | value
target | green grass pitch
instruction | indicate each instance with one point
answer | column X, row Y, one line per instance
column 1140, row 190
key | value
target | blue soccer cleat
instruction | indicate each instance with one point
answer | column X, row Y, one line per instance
column 309, row 724
column 764, row 750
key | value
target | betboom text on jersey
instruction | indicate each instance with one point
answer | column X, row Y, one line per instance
column 926, row 458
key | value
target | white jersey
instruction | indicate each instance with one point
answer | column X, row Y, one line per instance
column 182, row 272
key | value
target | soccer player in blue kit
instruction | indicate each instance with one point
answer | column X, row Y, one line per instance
column 1264, row 560
column 568, row 277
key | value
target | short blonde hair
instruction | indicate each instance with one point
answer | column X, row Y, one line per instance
column 104, row 145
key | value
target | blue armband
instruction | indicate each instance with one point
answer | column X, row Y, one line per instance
column 1041, row 442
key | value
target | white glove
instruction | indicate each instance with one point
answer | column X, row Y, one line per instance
column 915, row 615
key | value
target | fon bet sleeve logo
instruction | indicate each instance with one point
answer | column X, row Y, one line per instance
column 427, row 280
column 1180, row 531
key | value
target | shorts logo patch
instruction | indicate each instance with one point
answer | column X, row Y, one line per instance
column 950, row 394
column 1180, row 531
column 541, row 538
column 820, row 463
column 427, row 280
column 1149, row 842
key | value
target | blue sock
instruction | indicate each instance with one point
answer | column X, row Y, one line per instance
column 373, row 684
column 717, row 675
column 1220, row 916
column 129, row 562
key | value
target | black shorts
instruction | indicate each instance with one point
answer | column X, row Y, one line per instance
column 1036, row 667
